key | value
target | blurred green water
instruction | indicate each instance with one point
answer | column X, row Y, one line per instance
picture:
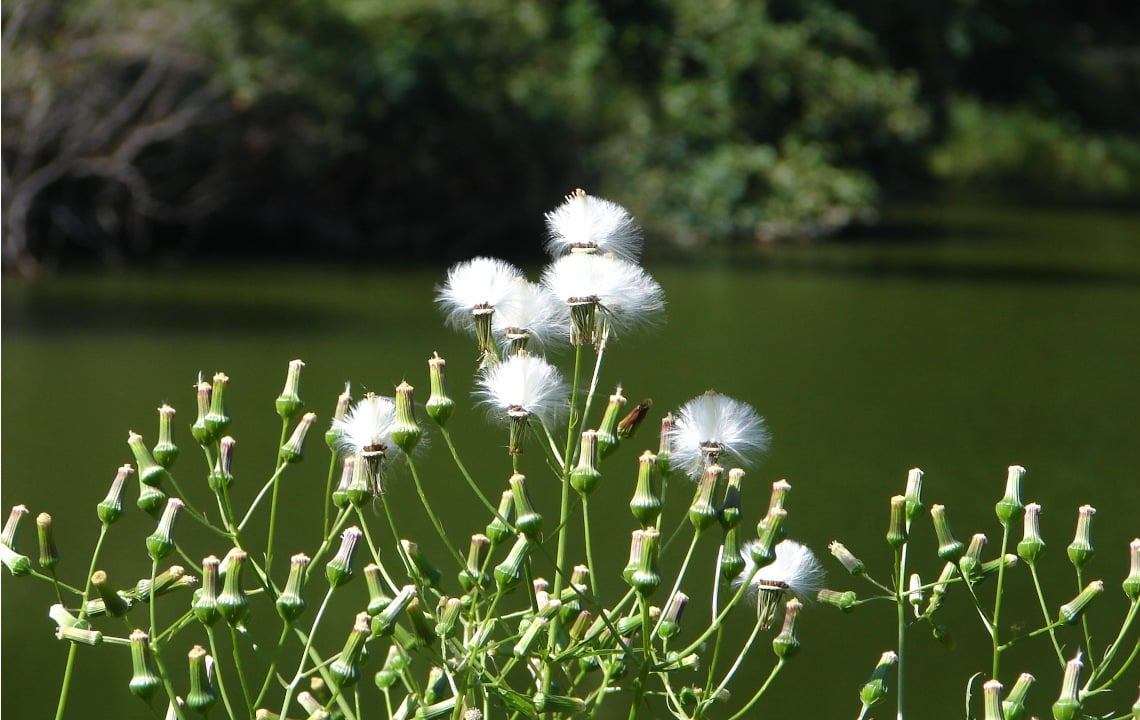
column 956, row 340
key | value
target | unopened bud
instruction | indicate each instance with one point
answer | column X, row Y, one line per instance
column 786, row 644
column 509, row 572
column 1080, row 550
column 875, row 689
column 585, row 476
column 293, row 450
column 144, row 681
column 202, row 696
column 730, row 512
column 731, row 559
column 335, row 431
column 1072, row 610
column 845, row 557
column 526, row 643
column 763, row 551
column 1010, row 508
column 291, row 603
column 165, row 451
column 949, row 548
column 202, row 433
column 1131, row 583
column 1031, row 545
column 608, row 440
column 346, row 668
column 971, row 562
column 665, row 446
column 1014, row 704
column 897, row 527
column 339, row 569
column 497, row 530
column 114, row 604
column 448, row 616
column 439, row 405
column 703, row 511
column 384, row 623
column 205, row 602
column 111, row 509
column 992, row 700
column 222, row 476
column 913, row 494
column 79, row 635
column 1068, row 704
column 845, row 601
column 289, row 401
column 472, row 575
column 670, row 623
column 150, row 472
column 160, row 543
column 233, row 603
column 641, row 573
column 406, row 431
column 914, row 592
column 49, row 555
column 422, row 567
column 646, row 502
column 217, row 421
column 527, row 520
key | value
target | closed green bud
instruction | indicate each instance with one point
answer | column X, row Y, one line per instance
column 1014, row 704
column 642, row 573
column 12, row 525
column 165, row 451
column 406, row 431
column 763, row 551
column 1010, row 508
column 114, row 604
column 731, row 561
column 422, row 568
column 222, row 476
column 339, row 569
column 845, row 601
column 509, row 572
column 608, row 440
column 546, row 702
column 703, row 512
column 670, row 623
column 527, row 520
column 233, row 603
column 449, row 609
column 526, row 642
column 875, row 689
column 291, row 603
column 437, row 710
column 293, row 450
column 378, row 599
column 201, row 432
column 151, row 499
column 345, row 670
column 160, row 543
column 646, row 503
column 63, row 618
column 665, row 446
column 914, row 592
column 16, row 563
column 78, row 635
column 422, row 625
column 913, row 495
column 202, row 696
column 144, row 681
column 1072, row 610
column 335, row 431
column 360, row 485
column 730, row 512
column 171, row 579
column 49, row 555
column 1031, row 545
column 1080, row 550
column 897, row 527
column 384, row 623
column 1131, row 583
column 387, row 676
column 786, row 644
column 217, row 421
column 971, row 562
column 949, row 547
column 205, row 602
column 941, row 586
column 472, row 576
column 150, row 472
column 498, row 531
column 439, row 405
column 111, row 508
column 585, row 476
column 1068, row 704
column 289, row 401
column 846, row 558
column 991, row 693
column 340, row 492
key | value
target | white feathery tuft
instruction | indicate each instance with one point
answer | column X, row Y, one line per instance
column 584, row 223
column 480, row 283
column 524, row 382
column 716, row 423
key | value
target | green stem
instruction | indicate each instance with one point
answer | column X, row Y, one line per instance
column 272, row 665
column 467, row 475
column 739, row 659
column 241, row 671
column 1045, row 612
column 900, row 602
column 684, row 566
column 261, row 494
column 755, row 698
column 431, row 514
column 589, row 545
column 299, row 674
column 326, row 501
column 221, row 680
column 1111, row 652
column 59, row 708
column 273, row 500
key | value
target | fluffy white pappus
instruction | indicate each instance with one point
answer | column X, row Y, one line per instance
column 584, row 223
column 531, row 309
column 626, row 295
column 367, row 427
column 524, row 382
column 795, row 571
column 478, row 283
column 713, row 426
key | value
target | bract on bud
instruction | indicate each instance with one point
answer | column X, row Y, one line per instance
column 1014, row 704
column 1080, row 550
column 289, row 402
column 913, row 494
column 144, row 681
column 201, row 432
column 472, row 575
column 202, row 696
column 992, row 700
column 439, row 405
column 346, row 668
column 897, row 527
column 217, row 421
column 205, row 602
column 1031, row 545
column 111, row 508
column 703, row 512
column 949, row 547
column 497, row 530
column 730, row 512
column 786, row 644
column 290, row 603
column 1010, row 508
column 527, row 520
column 670, row 623
column 233, row 603
column 845, row 557
column 405, row 431
column 1072, row 610
column 875, row 689
column 160, row 543
column 150, row 472
column 293, row 450
column 49, row 555
column 339, row 569
column 165, row 451
column 509, row 572
column 585, row 476
column 1068, row 704
column 646, row 503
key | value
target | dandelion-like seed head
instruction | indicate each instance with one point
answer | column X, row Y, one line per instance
column 626, row 297
column 711, row 426
column 530, row 316
column 475, row 286
column 587, row 224
column 365, row 433
column 524, row 385
column 795, row 571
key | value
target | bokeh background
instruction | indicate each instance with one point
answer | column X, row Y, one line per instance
column 907, row 232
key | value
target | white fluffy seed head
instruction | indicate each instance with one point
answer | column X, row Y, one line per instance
column 532, row 309
column 524, row 383
column 795, row 570
column 480, row 283
column 367, row 427
column 584, row 223
column 626, row 295
column 713, row 426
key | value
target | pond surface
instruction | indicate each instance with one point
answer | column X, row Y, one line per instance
column 956, row 340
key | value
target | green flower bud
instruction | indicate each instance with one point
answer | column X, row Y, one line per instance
column 949, row 548
column 377, row 597
column 202, row 696
column 387, row 676
column 222, row 476
column 335, row 431
column 205, row 602
column 290, row 603
column 875, row 689
column 509, row 572
column 1131, row 583
column 165, row 451
column 422, row 624
column 608, row 440
column 769, row 529
column 941, row 586
column 406, row 431
column 646, row 503
column 1014, row 704
column 473, row 576
column 665, row 445
column 422, row 568
column 150, row 472
column 289, row 401
column 1080, row 550
column 731, row 561
column 1010, row 508
column 853, row 564
column 144, row 681
column 339, row 569
column 498, row 531
column 991, row 691
column 527, row 520
column 448, row 616
column 897, row 528
column 786, row 644
column 359, row 491
column 1072, row 610
column 346, row 668
column 670, row 623
column 971, row 562
column 63, row 618
column 217, row 421
column 641, row 572
column 111, row 509
column 171, row 579
column 436, row 711
column 913, row 495
column 114, row 604
column 161, row 542
column 914, row 592
column 548, row 703
column 49, row 555
column 340, row 493
column 585, row 476
column 845, row 601
column 383, row 624
column 78, row 635
column 702, row 511
column 151, row 499
column 1068, row 704
column 1031, row 545
column 537, row 627
column 293, row 450
column 439, row 405
column 8, row 537
column 233, row 603
column 730, row 508
column 201, row 432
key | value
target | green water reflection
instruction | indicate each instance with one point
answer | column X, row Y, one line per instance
column 959, row 342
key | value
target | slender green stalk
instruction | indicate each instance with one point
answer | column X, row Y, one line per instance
column 1111, row 652
column 1045, row 612
column 222, row 682
column 240, row 668
column 684, row 566
column 755, row 698
column 739, row 659
column 273, row 501
column 272, row 665
column 299, row 674
column 589, row 545
column 900, row 604
column 432, row 516
column 167, row 685
column 261, row 494
column 995, row 639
